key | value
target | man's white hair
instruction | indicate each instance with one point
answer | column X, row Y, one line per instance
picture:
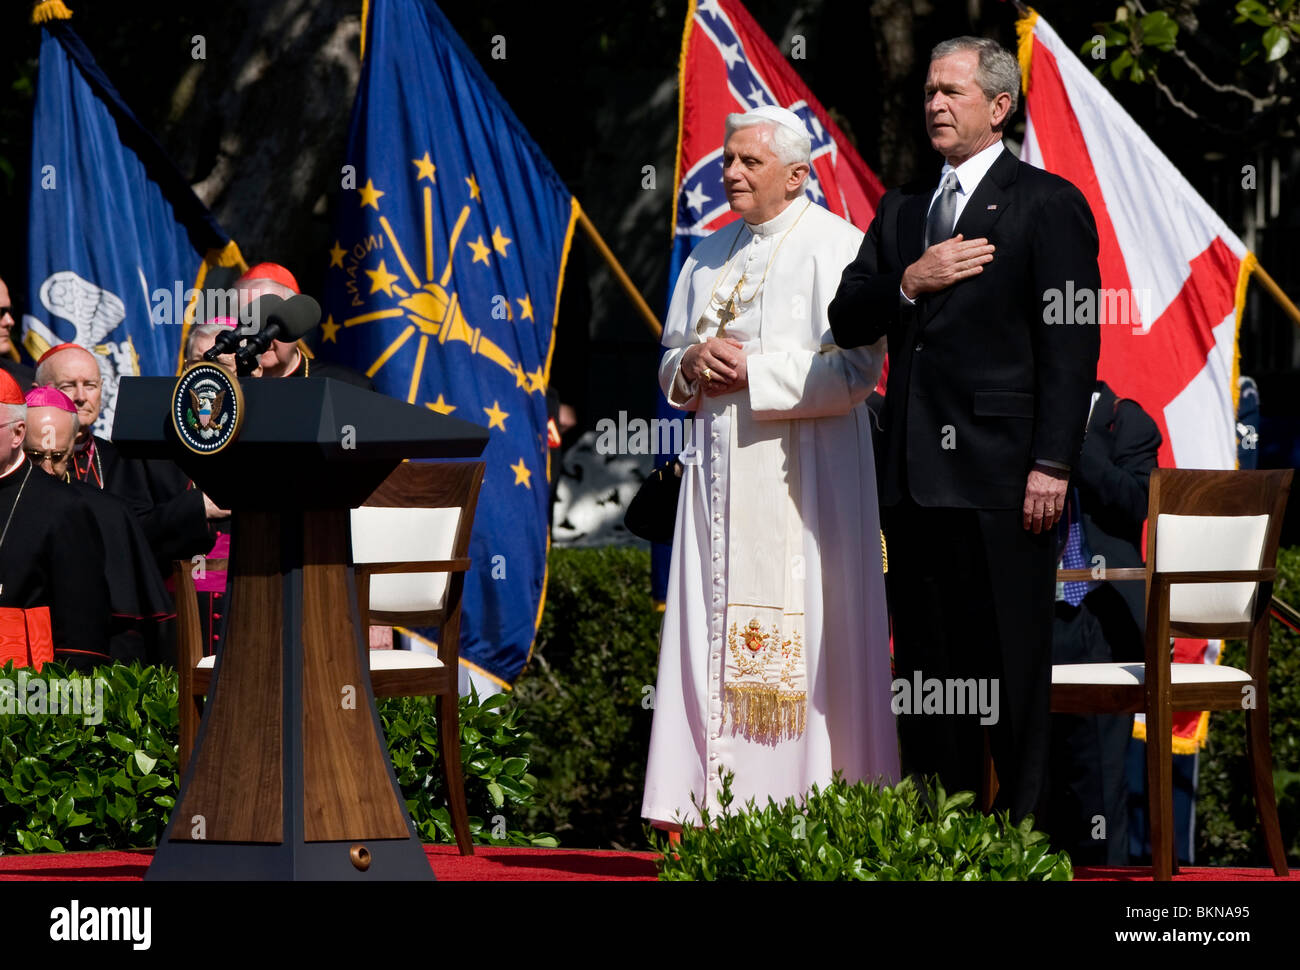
column 790, row 147
column 202, row 330
column 9, row 413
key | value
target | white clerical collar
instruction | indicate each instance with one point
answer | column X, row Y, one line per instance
column 16, row 465
column 973, row 170
column 784, row 220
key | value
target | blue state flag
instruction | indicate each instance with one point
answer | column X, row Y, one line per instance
column 443, row 284
column 118, row 246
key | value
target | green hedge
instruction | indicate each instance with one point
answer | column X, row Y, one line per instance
column 66, row 784
column 586, row 697
column 596, row 654
column 1227, row 824
column 564, row 753
column 860, row 832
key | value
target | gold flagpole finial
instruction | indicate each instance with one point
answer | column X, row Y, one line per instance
column 50, row 10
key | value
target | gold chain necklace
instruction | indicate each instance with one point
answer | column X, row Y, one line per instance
column 726, row 311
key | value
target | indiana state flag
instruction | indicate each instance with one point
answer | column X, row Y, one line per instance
column 443, row 285
column 117, row 244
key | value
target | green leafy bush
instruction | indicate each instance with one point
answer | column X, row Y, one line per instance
column 66, row 784
column 587, row 696
column 860, row 832
column 70, row 785
column 1227, row 822
column 494, row 758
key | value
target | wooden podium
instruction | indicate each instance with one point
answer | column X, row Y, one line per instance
column 290, row 777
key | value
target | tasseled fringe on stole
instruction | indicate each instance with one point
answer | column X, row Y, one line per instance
column 765, row 714
column 50, row 10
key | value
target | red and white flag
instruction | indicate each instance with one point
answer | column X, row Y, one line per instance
column 1173, row 275
column 1165, row 255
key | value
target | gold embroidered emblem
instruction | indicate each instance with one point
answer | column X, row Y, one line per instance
column 764, row 701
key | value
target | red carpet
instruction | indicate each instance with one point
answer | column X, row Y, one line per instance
column 506, row 864
column 1186, row 874
column 534, row 865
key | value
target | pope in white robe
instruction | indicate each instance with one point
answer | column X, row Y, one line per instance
column 774, row 652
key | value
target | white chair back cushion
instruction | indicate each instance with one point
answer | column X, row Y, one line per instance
column 399, row 535
column 1199, row 543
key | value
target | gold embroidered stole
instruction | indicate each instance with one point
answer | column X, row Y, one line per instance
column 764, row 676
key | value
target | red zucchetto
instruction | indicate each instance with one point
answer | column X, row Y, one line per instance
column 270, row 271
column 10, row 392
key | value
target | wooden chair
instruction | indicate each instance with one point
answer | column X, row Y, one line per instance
column 1212, row 539
column 410, row 545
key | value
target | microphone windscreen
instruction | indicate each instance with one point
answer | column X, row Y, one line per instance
column 253, row 317
column 296, row 317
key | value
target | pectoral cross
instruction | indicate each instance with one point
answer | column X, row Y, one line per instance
column 725, row 315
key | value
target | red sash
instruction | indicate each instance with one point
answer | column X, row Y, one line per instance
column 25, row 637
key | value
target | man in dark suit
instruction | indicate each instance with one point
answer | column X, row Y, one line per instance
column 1100, row 622
column 984, row 416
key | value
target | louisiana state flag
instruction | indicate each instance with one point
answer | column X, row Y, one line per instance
column 117, row 243
column 443, row 284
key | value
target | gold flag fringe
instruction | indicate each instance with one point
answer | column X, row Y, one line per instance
column 50, row 10
column 764, row 713
column 227, row 255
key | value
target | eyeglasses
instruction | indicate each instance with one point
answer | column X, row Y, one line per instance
column 67, row 387
column 41, row 457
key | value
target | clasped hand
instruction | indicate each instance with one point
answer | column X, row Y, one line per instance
column 946, row 263
column 718, row 365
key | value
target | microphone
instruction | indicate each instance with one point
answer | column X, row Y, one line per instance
column 251, row 322
column 289, row 321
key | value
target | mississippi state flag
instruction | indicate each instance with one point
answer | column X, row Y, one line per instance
column 729, row 65
column 1173, row 275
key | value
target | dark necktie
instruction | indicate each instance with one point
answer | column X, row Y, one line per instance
column 943, row 214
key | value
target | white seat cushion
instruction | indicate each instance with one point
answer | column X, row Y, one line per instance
column 1199, row 543
column 402, row 660
column 405, row 535
column 1130, row 675
column 379, row 660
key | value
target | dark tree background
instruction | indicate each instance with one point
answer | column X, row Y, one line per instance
column 259, row 125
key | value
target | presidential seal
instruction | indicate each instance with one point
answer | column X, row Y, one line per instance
column 207, row 408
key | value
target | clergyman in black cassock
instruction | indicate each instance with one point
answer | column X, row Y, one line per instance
column 53, row 556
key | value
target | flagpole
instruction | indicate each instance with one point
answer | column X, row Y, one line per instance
column 615, row 267
column 1276, row 293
